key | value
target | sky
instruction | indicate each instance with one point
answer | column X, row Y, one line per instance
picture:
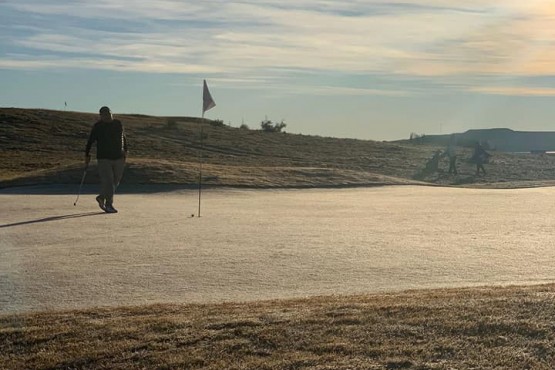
column 377, row 70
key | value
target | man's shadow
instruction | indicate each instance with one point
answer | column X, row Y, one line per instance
column 53, row 218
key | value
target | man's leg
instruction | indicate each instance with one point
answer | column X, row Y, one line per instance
column 455, row 165
column 106, row 180
column 116, row 169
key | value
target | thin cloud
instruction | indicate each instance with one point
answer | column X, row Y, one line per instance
column 346, row 91
column 515, row 91
column 29, row 63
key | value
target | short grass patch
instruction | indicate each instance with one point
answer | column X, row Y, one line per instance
column 470, row 328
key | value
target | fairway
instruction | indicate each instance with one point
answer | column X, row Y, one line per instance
column 263, row 244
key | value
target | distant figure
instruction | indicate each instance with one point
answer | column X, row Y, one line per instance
column 480, row 156
column 451, row 153
column 433, row 163
column 111, row 153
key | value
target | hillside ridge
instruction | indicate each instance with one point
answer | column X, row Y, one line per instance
column 39, row 146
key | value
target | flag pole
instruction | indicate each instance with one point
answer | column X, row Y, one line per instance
column 207, row 103
column 200, row 163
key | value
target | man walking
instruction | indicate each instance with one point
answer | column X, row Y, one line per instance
column 451, row 153
column 111, row 153
column 480, row 156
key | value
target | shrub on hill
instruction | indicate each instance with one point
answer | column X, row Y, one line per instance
column 171, row 123
column 217, row 123
column 269, row 126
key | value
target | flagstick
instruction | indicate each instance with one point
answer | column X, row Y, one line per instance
column 200, row 164
column 207, row 103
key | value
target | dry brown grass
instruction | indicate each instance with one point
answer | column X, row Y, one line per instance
column 472, row 328
column 44, row 146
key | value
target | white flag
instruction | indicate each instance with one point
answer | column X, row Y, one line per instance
column 207, row 101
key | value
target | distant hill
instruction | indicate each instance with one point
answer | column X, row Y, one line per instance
column 500, row 139
column 39, row 146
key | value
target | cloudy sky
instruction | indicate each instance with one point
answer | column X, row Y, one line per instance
column 361, row 69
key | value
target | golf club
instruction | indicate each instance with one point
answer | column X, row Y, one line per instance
column 81, row 185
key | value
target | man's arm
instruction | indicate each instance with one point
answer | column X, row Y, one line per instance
column 92, row 139
column 124, row 142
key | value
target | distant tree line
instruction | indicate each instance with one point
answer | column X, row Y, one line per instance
column 266, row 125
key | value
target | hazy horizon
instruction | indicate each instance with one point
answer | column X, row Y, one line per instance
column 364, row 69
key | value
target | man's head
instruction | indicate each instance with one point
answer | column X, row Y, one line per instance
column 105, row 114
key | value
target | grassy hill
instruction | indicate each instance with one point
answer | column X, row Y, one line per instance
column 45, row 146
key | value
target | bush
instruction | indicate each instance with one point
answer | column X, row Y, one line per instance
column 217, row 123
column 269, row 126
column 244, row 127
column 171, row 123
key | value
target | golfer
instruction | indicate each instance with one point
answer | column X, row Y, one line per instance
column 111, row 153
column 451, row 153
column 480, row 156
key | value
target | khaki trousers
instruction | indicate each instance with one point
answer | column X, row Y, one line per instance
column 110, row 172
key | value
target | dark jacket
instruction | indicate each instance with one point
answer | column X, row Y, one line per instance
column 480, row 156
column 111, row 142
